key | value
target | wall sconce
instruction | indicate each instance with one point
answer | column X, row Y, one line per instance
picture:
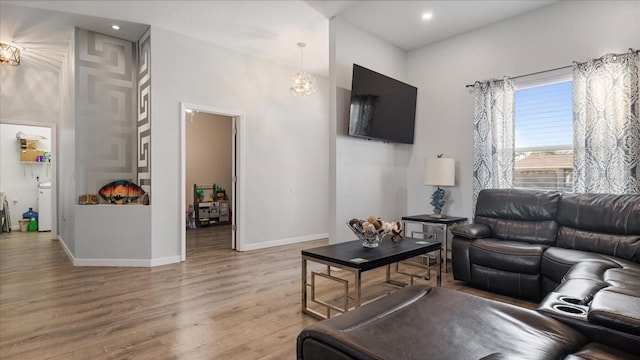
column 9, row 54
column 439, row 172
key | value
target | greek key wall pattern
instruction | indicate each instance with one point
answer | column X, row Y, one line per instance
column 144, row 113
column 105, row 110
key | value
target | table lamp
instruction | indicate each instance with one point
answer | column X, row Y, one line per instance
column 439, row 172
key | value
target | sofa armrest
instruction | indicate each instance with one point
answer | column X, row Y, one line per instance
column 472, row 231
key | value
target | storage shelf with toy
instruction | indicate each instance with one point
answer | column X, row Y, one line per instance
column 30, row 150
column 210, row 206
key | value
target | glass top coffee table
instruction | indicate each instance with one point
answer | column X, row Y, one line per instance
column 353, row 257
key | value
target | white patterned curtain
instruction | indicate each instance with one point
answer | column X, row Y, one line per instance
column 493, row 135
column 606, row 125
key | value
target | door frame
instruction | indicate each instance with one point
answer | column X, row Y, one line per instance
column 237, row 167
column 54, row 166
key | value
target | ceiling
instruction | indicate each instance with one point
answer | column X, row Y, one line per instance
column 401, row 23
column 43, row 36
column 268, row 29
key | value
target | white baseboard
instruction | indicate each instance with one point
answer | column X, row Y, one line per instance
column 127, row 262
column 17, row 229
column 166, row 260
column 289, row 241
column 117, row 262
column 112, row 262
column 66, row 249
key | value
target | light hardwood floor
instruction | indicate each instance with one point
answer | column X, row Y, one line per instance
column 219, row 304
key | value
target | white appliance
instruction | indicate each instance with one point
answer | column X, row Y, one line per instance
column 44, row 206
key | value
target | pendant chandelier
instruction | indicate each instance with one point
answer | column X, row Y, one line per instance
column 9, row 54
column 302, row 83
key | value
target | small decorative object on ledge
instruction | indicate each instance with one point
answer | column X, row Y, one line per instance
column 121, row 192
column 439, row 172
column 373, row 230
column 88, row 199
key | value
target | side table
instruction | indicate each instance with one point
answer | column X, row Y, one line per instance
column 442, row 222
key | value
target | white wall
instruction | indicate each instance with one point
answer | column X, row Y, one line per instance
column 551, row 37
column 19, row 181
column 30, row 91
column 285, row 149
column 370, row 177
column 107, row 235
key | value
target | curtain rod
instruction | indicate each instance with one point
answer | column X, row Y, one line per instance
column 554, row 69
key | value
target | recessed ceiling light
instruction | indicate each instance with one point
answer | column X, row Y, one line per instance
column 427, row 16
column 115, row 27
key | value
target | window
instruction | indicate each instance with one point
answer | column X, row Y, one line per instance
column 544, row 136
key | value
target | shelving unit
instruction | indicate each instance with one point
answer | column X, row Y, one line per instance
column 31, row 164
column 214, row 212
column 30, row 153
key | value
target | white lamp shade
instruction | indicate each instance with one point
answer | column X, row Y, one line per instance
column 440, row 172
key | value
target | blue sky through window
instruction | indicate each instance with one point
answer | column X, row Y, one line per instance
column 543, row 117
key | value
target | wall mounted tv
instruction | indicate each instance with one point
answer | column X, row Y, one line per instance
column 381, row 108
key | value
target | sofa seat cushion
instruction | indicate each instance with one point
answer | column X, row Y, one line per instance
column 511, row 256
column 624, row 278
column 419, row 322
column 616, row 310
column 595, row 351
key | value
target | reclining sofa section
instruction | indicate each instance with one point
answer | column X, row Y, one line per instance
column 523, row 242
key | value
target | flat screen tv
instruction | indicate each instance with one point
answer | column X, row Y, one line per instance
column 381, row 108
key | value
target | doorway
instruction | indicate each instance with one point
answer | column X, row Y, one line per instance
column 22, row 176
column 211, row 200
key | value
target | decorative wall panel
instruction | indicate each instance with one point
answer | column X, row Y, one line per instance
column 144, row 112
column 105, row 110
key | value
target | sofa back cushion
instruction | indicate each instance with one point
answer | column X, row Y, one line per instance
column 519, row 215
column 601, row 223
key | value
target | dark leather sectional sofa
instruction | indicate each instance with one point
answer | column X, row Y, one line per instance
column 577, row 254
